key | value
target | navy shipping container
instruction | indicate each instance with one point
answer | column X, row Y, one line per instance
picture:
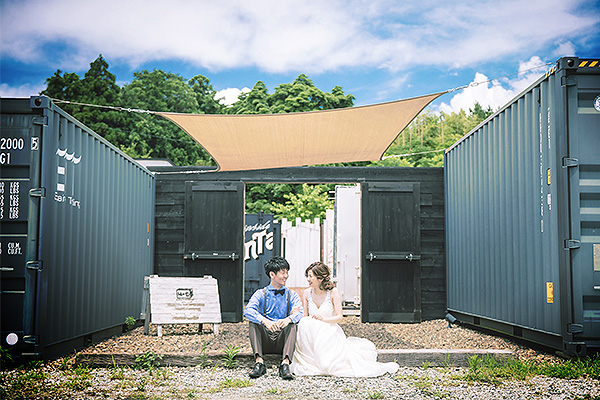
column 76, row 231
column 523, row 214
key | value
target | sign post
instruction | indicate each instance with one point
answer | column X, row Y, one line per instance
column 172, row 300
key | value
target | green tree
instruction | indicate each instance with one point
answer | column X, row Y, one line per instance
column 302, row 95
column 309, row 203
column 256, row 101
column 97, row 87
column 422, row 143
column 153, row 136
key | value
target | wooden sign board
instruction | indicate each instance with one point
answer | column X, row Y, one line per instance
column 174, row 300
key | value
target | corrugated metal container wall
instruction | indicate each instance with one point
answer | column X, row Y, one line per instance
column 507, row 218
column 96, row 228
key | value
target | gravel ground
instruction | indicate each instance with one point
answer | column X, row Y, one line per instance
column 184, row 339
column 64, row 381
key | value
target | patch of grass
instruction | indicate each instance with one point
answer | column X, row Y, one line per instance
column 375, row 395
column 235, row 383
column 26, row 382
column 275, row 390
column 587, row 397
column 423, row 383
column 488, row 370
column 160, row 376
column 436, row 393
column 79, row 378
column 230, row 384
column 229, row 360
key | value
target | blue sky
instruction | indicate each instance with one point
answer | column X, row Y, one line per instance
column 377, row 50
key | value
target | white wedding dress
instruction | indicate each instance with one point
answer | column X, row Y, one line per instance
column 323, row 348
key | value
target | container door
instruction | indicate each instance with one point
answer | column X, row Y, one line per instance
column 214, row 240
column 19, row 220
column 391, row 271
column 584, row 145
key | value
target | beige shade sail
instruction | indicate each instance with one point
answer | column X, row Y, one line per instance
column 261, row 141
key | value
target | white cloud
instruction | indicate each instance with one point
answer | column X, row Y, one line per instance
column 26, row 90
column 275, row 36
column 230, row 95
column 497, row 92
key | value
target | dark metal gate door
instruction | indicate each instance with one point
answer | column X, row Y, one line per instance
column 391, row 271
column 214, row 240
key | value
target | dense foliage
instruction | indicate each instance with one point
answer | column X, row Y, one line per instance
column 143, row 135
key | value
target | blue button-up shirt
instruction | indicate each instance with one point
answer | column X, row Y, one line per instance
column 276, row 306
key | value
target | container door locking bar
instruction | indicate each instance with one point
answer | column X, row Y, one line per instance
column 211, row 256
column 393, row 256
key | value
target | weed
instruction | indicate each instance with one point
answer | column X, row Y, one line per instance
column 5, row 356
column 147, row 361
column 426, row 365
column 375, row 395
column 423, row 383
column 203, row 356
column 435, row 393
column 447, row 361
column 235, row 383
column 79, row 379
column 191, row 394
column 141, row 387
column 587, row 396
column 231, row 352
column 274, row 390
column 130, row 323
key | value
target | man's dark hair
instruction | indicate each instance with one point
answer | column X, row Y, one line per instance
column 276, row 264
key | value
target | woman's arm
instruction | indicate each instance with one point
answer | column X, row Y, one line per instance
column 337, row 307
column 305, row 302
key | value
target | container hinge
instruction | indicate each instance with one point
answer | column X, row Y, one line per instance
column 571, row 244
column 570, row 162
column 38, row 192
column 31, row 339
column 574, row 328
column 40, row 120
column 568, row 81
column 35, row 265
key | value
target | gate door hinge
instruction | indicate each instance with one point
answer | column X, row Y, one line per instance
column 574, row 328
column 570, row 162
column 40, row 120
column 38, row 192
column 571, row 244
column 36, row 265
column 31, row 339
column 568, row 81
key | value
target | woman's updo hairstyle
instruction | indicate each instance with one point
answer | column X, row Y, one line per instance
column 321, row 271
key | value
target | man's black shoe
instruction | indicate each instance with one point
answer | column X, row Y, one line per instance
column 284, row 372
column 258, row 370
